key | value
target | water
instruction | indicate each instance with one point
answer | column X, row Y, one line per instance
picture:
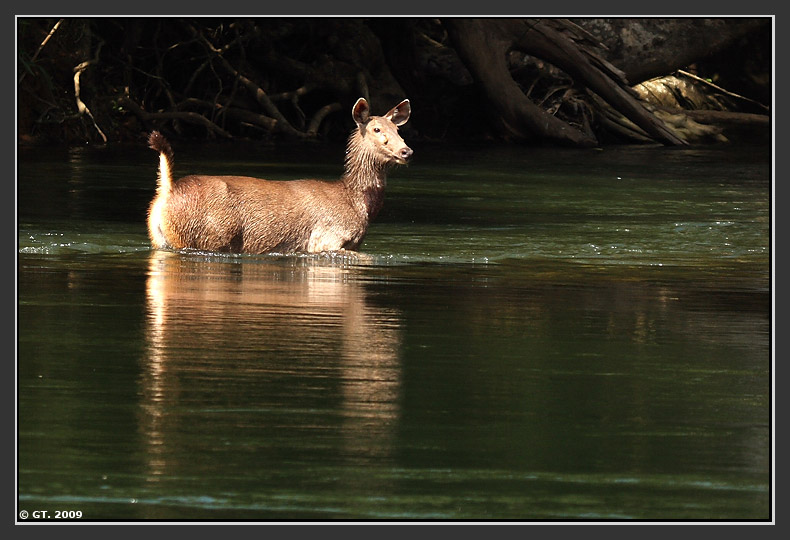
column 527, row 334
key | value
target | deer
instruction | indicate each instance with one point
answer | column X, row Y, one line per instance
column 243, row 214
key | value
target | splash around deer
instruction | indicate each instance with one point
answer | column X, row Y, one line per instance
column 241, row 214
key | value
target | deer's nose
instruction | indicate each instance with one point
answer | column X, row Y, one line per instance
column 405, row 153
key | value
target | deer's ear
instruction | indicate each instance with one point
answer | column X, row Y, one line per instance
column 400, row 113
column 361, row 111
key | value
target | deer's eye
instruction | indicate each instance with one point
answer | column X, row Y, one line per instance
column 376, row 130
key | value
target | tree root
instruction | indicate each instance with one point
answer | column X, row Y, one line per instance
column 483, row 43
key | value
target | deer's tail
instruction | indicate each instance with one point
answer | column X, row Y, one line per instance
column 158, row 142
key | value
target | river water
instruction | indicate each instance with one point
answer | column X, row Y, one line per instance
column 526, row 334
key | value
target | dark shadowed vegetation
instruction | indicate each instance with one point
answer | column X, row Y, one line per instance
column 580, row 82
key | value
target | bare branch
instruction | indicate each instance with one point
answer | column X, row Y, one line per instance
column 38, row 51
column 186, row 116
column 236, row 113
column 82, row 109
column 260, row 96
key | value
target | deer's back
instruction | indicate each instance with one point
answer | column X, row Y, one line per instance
column 245, row 214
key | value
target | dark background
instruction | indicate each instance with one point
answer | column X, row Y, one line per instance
column 203, row 77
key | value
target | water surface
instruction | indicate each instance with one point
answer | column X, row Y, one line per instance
column 527, row 334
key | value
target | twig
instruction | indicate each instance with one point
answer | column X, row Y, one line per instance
column 552, row 91
column 720, row 89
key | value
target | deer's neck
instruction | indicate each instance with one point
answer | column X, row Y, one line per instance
column 365, row 176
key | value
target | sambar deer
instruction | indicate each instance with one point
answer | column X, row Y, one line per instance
column 241, row 214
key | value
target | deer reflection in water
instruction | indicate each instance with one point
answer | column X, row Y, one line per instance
column 243, row 351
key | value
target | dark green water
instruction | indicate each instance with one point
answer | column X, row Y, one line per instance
column 527, row 334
